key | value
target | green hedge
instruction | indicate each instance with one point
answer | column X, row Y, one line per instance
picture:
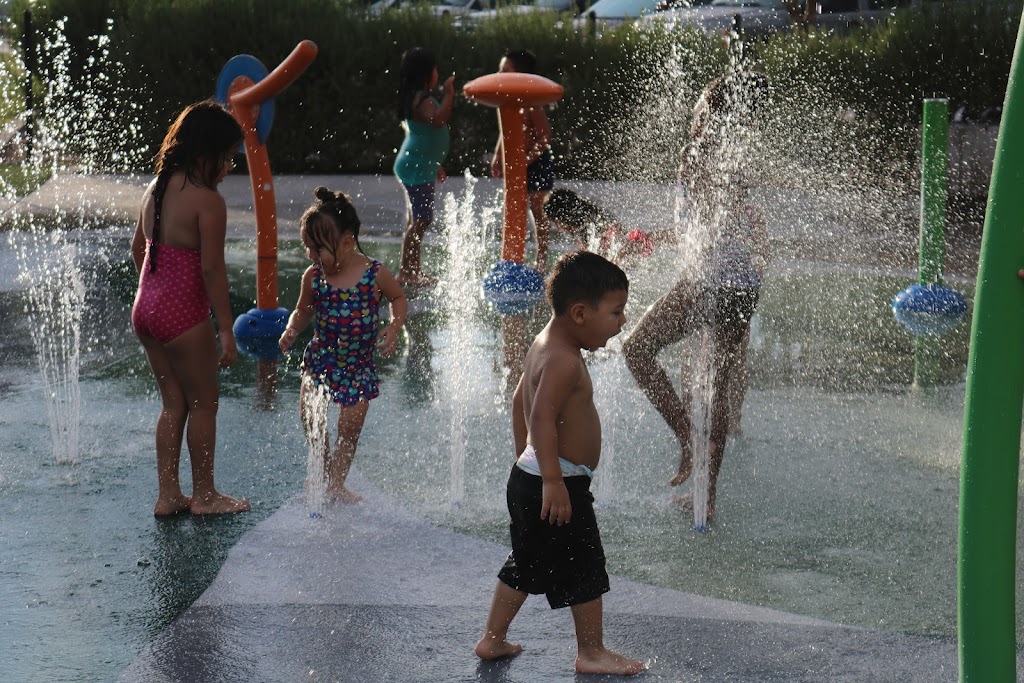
column 628, row 94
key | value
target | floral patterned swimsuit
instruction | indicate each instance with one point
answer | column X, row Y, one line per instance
column 339, row 358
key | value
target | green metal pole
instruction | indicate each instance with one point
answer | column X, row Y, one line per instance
column 992, row 414
column 932, row 248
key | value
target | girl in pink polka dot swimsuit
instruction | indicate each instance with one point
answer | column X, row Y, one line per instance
column 341, row 294
column 178, row 250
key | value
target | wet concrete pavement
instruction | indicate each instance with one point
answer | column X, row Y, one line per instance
column 371, row 592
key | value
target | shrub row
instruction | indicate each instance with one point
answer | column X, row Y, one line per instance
column 340, row 116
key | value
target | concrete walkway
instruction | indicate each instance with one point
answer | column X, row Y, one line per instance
column 373, row 593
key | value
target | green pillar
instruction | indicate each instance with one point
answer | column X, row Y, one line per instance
column 992, row 415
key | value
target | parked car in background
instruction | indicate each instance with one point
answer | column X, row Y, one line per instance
column 758, row 18
column 846, row 15
column 614, row 12
column 559, row 6
column 442, row 8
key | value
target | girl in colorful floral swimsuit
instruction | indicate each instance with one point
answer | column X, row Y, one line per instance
column 341, row 293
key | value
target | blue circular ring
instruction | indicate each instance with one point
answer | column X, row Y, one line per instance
column 246, row 65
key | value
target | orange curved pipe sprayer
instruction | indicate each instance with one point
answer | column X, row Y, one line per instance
column 245, row 98
column 512, row 93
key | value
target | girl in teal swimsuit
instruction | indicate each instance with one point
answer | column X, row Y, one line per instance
column 341, row 293
column 418, row 164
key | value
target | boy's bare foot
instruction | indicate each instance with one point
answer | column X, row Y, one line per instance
column 604, row 661
column 492, row 648
column 218, row 504
column 166, row 507
column 343, row 495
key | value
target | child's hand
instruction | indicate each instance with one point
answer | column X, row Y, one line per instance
column 441, row 175
column 288, row 338
column 228, row 349
column 388, row 341
column 449, row 85
column 555, row 506
column 1020, row 273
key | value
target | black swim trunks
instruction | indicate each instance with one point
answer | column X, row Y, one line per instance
column 566, row 563
column 540, row 175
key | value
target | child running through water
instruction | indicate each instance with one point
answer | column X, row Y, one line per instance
column 178, row 250
column 556, row 546
column 540, row 163
column 341, row 292
column 418, row 164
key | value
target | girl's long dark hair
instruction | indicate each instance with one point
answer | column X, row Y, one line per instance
column 418, row 63
column 197, row 143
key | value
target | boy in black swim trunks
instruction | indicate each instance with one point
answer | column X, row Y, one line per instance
column 556, row 547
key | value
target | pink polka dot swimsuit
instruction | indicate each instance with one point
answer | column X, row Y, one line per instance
column 171, row 298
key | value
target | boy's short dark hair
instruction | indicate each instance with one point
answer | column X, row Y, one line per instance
column 523, row 61
column 583, row 276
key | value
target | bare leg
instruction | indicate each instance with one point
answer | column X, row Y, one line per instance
column 730, row 342
column 412, row 240
column 592, row 656
column 339, row 460
column 193, row 356
column 540, row 224
column 738, row 386
column 493, row 644
column 170, row 430
column 670, row 319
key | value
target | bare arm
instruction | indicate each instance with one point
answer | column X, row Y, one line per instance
column 557, row 380
column 541, row 134
column 139, row 245
column 519, row 432
column 302, row 314
column 395, row 295
column 437, row 115
column 213, row 226
column 762, row 246
column 139, row 239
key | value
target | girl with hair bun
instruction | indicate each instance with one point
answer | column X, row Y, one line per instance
column 341, row 293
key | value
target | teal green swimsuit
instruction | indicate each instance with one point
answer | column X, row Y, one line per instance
column 423, row 150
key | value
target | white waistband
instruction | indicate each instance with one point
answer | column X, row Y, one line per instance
column 527, row 462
